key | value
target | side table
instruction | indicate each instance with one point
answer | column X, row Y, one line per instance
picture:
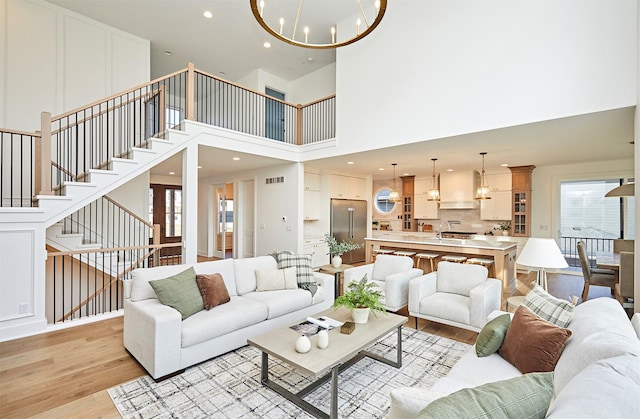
column 514, row 301
column 337, row 273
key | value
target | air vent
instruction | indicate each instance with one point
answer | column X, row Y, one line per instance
column 278, row 179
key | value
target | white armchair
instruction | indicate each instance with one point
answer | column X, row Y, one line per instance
column 456, row 294
column 392, row 274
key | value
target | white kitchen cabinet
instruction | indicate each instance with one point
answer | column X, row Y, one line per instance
column 311, row 182
column 499, row 206
column 423, row 209
column 347, row 187
column 311, row 205
column 318, row 249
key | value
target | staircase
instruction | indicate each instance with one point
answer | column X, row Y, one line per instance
column 84, row 154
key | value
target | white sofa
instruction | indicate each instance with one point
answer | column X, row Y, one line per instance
column 457, row 294
column 391, row 273
column 164, row 344
column 597, row 375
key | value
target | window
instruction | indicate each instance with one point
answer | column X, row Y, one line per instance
column 173, row 212
column 585, row 212
column 382, row 201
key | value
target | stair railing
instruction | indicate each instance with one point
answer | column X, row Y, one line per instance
column 68, row 146
column 76, row 289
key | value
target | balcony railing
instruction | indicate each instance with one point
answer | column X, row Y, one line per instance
column 568, row 246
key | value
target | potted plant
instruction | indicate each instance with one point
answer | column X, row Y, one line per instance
column 505, row 226
column 337, row 249
column 361, row 298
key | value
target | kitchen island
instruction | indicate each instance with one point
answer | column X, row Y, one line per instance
column 503, row 253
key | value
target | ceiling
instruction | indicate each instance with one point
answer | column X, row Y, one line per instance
column 230, row 45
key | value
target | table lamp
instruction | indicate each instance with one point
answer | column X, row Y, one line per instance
column 542, row 254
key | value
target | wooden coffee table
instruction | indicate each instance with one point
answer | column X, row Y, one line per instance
column 325, row 364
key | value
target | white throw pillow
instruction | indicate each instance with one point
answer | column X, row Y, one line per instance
column 276, row 279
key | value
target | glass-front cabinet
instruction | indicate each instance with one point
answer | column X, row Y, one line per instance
column 521, row 193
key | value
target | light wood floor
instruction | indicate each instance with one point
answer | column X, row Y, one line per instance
column 65, row 374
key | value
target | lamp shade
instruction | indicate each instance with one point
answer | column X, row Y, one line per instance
column 542, row 253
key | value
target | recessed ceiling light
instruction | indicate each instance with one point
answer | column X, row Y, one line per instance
column 267, row 44
column 172, row 173
column 505, row 165
column 199, row 167
column 449, row 170
column 167, row 53
column 381, row 169
column 236, row 158
column 207, row 14
column 222, row 73
column 350, row 162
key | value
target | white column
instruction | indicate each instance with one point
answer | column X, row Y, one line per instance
column 190, row 204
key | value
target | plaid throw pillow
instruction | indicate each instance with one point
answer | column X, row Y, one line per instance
column 304, row 272
column 548, row 307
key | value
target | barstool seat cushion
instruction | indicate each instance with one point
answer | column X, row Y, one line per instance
column 481, row 261
column 427, row 255
column 404, row 253
column 383, row 251
column 454, row 258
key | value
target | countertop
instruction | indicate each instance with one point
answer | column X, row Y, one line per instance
column 417, row 238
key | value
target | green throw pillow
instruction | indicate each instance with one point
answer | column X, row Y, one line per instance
column 181, row 292
column 492, row 335
column 527, row 396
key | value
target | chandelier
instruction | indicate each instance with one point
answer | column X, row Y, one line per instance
column 313, row 24
column 483, row 190
column 434, row 192
column 394, row 195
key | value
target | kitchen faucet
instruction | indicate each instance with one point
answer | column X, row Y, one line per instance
column 448, row 223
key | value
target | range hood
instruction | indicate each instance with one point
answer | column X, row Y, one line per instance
column 458, row 189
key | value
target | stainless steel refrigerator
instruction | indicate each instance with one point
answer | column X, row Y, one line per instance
column 349, row 222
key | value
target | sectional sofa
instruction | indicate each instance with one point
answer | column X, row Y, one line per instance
column 596, row 376
column 164, row 344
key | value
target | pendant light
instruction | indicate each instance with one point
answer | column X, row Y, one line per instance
column 394, row 195
column 434, row 192
column 483, row 190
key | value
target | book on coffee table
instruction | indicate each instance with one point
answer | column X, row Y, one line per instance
column 313, row 325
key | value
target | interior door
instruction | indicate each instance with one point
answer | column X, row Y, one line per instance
column 274, row 115
column 166, row 209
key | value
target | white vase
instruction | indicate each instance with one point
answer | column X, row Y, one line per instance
column 505, row 232
column 360, row 315
column 323, row 339
column 303, row 344
column 336, row 261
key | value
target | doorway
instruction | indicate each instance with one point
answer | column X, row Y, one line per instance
column 274, row 115
column 165, row 209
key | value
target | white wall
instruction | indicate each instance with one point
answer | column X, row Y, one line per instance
column 55, row 60
column 321, row 83
column 545, row 184
column 444, row 68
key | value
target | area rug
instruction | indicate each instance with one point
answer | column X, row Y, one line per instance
column 229, row 386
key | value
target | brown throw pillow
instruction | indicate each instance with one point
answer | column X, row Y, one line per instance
column 533, row 344
column 213, row 290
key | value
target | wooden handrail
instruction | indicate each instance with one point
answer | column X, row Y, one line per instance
column 35, row 134
column 97, row 102
column 109, row 109
column 306, row 105
column 43, row 156
column 136, row 216
column 112, row 249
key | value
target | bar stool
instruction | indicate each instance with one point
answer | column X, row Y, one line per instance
column 454, row 258
column 407, row 253
column 431, row 257
column 377, row 252
column 487, row 263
